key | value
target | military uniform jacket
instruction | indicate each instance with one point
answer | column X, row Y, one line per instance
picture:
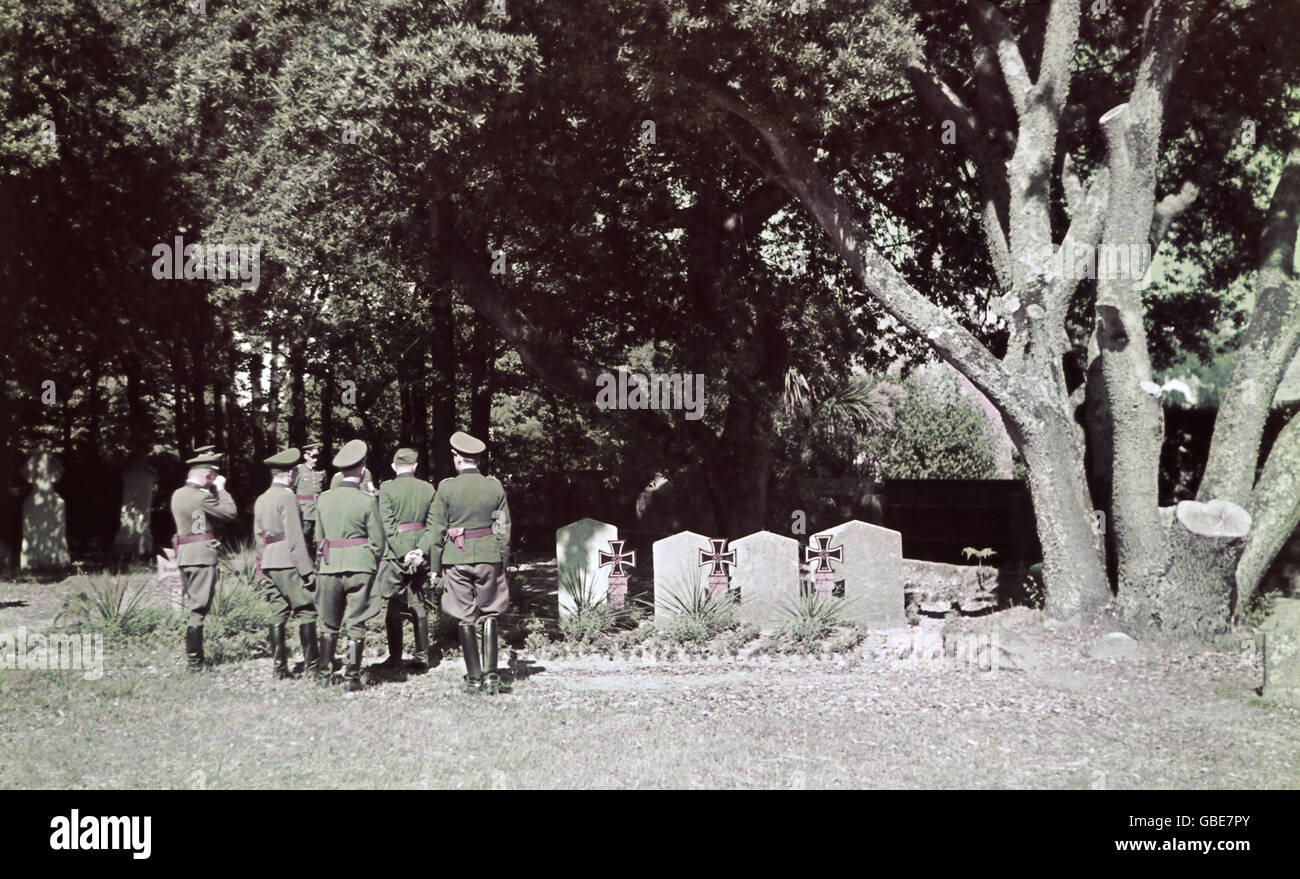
column 367, row 481
column 195, row 511
column 345, row 513
column 276, row 513
column 470, row 501
column 403, row 500
column 307, row 481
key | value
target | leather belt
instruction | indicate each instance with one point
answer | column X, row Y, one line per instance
column 323, row 546
column 178, row 541
column 411, row 526
column 268, row 539
column 306, row 497
column 460, row 535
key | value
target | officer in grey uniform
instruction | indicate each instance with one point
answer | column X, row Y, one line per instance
column 307, row 485
column 468, row 539
column 198, row 503
column 284, row 568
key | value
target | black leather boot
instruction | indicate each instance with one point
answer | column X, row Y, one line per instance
column 279, row 653
column 325, row 670
column 491, row 680
column 419, row 663
column 469, row 646
column 310, row 649
column 352, row 670
column 194, row 648
column 393, row 632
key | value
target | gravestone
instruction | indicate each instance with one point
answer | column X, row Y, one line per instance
column 45, row 524
column 169, row 577
column 871, row 572
column 1282, row 652
column 679, row 578
column 767, row 575
column 581, row 579
column 134, row 538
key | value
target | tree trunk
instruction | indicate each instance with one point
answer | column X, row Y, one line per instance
column 444, row 394
column 180, row 418
column 257, row 417
column 297, row 392
column 482, row 369
column 329, row 394
column 273, row 395
column 1072, row 563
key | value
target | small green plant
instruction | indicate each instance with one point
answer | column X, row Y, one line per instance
column 111, row 600
column 1261, row 606
column 536, row 642
column 980, row 556
column 849, row 640
column 1031, row 586
column 591, row 614
column 697, row 614
column 237, row 563
column 237, row 622
column 813, row 617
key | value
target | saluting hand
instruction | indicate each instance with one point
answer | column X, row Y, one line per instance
column 219, row 483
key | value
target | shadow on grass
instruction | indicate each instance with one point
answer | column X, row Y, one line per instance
column 518, row 669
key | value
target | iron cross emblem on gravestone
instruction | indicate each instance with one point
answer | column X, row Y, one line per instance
column 823, row 574
column 616, row 559
column 719, row 576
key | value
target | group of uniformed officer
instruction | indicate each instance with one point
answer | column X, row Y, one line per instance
column 338, row 555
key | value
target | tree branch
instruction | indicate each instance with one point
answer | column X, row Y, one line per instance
column 992, row 30
column 874, row 272
column 1267, row 348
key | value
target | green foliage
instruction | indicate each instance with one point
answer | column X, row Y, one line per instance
column 1261, row 606
column 697, row 615
column 112, row 601
column 813, row 617
column 937, row 433
column 236, row 625
column 237, row 564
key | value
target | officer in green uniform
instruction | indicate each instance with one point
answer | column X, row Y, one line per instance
column 349, row 543
column 404, row 507
column 468, row 538
column 284, row 567
column 198, row 503
column 307, row 485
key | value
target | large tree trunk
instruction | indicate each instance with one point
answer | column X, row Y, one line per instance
column 297, row 392
column 482, row 371
column 273, row 395
column 444, row 396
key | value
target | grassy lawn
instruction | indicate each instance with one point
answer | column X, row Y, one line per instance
column 1177, row 719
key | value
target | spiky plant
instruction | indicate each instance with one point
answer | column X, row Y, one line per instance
column 108, row 598
column 812, row 617
column 697, row 614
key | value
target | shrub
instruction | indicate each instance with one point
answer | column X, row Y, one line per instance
column 697, row 614
column 1260, row 607
column 109, row 600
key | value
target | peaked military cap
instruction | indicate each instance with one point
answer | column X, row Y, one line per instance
column 466, row 444
column 205, row 450
column 285, row 460
column 406, row 456
column 210, row 460
column 312, row 446
column 352, row 454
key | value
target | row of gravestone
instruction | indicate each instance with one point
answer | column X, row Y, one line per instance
column 45, row 524
column 859, row 563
